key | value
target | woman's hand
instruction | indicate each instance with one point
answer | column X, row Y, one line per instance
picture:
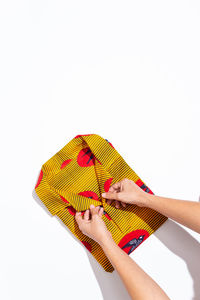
column 92, row 225
column 125, row 191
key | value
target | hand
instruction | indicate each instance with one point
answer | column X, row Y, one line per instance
column 92, row 225
column 125, row 191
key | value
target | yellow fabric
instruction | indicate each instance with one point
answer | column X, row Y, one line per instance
column 76, row 176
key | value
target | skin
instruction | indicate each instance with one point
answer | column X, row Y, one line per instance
column 139, row 284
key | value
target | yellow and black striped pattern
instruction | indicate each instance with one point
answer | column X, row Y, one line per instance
column 77, row 175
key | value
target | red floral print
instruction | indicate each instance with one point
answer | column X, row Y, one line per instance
column 107, row 184
column 87, row 245
column 66, row 162
column 39, row 179
column 132, row 240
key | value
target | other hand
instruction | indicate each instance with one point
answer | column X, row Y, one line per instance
column 125, row 191
column 92, row 224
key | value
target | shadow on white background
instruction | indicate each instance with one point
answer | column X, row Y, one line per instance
column 181, row 243
column 172, row 235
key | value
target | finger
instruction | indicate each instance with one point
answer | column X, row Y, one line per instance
column 123, row 204
column 111, row 189
column 86, row 215
column 93, row 210
column 78, row 217
column 109, row 201
column 117, row 205
column 115, row 186
column 110, row 195
column 97, row 208
column 101, row 211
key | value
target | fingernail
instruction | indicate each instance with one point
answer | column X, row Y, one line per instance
column 91, row 206
column 103, row 194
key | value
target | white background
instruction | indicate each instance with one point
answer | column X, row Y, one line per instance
column 128, row 71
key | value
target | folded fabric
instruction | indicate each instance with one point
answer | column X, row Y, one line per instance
column 77, row 175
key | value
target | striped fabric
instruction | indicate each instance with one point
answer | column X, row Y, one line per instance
column 75, row 177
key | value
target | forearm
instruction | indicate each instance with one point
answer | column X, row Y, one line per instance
column 182, row 211
column 139, row 285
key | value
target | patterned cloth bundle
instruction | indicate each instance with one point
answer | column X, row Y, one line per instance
column 77, row 175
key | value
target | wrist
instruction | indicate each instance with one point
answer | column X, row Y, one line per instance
column 149, row 200
column 146, row 199
column 106, row 240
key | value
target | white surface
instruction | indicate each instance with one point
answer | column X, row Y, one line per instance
column 128, row 71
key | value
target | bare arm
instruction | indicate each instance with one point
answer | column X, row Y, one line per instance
column 182, row 211
column 139, row 285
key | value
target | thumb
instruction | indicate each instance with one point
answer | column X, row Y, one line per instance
column 110, row 195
